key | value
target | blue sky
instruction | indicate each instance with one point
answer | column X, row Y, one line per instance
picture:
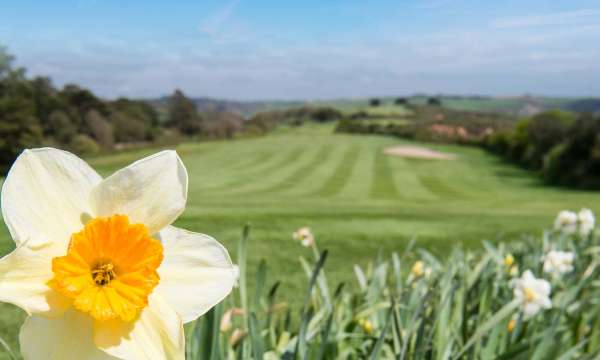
column 264, row 49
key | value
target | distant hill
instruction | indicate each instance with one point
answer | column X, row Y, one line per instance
column 585, row 105
column 514, row 105
column 245, row 108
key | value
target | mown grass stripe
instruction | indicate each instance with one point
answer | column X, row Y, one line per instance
column 224, row 165
column 382, row 185
column 252, row 179
column 437, row 186
column 341, row 175
column 432, row 176
column 302, row 172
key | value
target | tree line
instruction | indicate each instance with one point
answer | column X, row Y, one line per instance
column 564, row 147
column 34, row 112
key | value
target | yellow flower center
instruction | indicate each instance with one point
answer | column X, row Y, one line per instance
column 103, row 274
column 418, row 269
column 110, row 268
column 529, row 294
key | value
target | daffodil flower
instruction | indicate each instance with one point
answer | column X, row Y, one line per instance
column 587, row 221
column 534, row 294
column 509, row 260
column 305, row 236
column 566, row 221
column 97, row 266
column 558, row 262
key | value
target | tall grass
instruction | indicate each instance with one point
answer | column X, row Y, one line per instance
column 458, row 307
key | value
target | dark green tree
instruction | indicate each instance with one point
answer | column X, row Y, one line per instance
column 183, row 114
column 19, row 129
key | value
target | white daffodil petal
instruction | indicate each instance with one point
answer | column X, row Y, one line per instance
column 196, row 273
column 24, row 274
column 46, row 196
column 530, row 309
column 151, row 191
column 156, row 334
column 65, row 337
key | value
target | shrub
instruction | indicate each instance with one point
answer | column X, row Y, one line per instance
column 221, row 125
column 544, row 131
column 374, row 102
column 84, row 145
column 434, row 101
column 128, row 129
column 61, row 127
column 100, row 129
column 576, row 162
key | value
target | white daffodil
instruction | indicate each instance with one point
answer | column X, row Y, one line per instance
column 305, row 236
column 587, row 221
column 534, row 294
column 566, row 221
column 558, row 262
column 98, row 267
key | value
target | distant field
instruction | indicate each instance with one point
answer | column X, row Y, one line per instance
column 357, row 200
column 487, row 104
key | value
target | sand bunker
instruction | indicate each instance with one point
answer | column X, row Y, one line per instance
column 418, row 152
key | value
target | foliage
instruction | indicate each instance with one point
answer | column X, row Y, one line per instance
column 375, row 102
column 564, row 149
column 576, row 161
column 412, row 305
column 33, row 112
column 18, row 129
column 221, row 125
column 183, row 114
column 83, row 144
column 427, row 123
column 263, row 121
column 434, row 101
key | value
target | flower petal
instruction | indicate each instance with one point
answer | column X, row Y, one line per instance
column 66, row 337
column 24, row 276
column 196, row 273
column 156, row 334
column 151, row 191
column 45, row 197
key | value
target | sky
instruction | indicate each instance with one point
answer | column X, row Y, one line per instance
column 309, row 49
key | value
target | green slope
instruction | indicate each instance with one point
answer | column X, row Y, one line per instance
column 357, row 200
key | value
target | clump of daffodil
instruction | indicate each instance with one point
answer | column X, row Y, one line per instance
column 98, row 267
column 570, row 222
column 566, row 222
column 558, row 262
column 532, row 293
column 366, row 325
column 305, row 236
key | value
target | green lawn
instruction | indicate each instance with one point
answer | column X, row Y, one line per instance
column 357, row 200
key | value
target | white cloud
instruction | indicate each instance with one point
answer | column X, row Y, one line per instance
column 576, row 17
